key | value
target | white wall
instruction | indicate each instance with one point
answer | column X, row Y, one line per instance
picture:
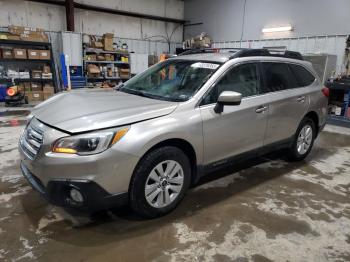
column 222, row 19
column 52, row 18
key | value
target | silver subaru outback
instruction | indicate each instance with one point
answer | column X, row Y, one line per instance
column 146, row 142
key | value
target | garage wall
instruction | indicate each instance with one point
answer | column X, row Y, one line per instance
column 52, row 18
column 222, row 19
column 332, row 44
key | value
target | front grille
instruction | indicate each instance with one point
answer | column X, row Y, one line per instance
column 32, row 139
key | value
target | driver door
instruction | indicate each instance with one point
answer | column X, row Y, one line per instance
column 238, row 129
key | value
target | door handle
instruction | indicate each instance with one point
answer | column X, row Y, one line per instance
column 301, row 99
column 261, row 109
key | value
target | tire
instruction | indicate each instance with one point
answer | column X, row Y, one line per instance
column 303, row 142
column 152, row 177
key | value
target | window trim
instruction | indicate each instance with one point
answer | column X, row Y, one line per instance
column 259, row 79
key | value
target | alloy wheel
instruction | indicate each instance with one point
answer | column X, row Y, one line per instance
column 304, row 139
column 164, row 183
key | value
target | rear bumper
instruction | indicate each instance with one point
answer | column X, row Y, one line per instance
column 56, row 192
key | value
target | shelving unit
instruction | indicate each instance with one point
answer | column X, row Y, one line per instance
column 20, row 80
column 104, row 65
column 28, row 64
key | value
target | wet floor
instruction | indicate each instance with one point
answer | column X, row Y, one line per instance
column 264, row 210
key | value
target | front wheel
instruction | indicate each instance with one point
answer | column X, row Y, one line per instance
column 303, row 141
column 160, row 182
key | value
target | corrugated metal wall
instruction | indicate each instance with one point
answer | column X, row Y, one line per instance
column 134, row 45
column 330, row 44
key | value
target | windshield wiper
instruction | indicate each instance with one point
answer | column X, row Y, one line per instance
column 152, row 96
column 139, row 93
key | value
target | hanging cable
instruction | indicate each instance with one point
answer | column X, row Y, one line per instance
column 243, row 21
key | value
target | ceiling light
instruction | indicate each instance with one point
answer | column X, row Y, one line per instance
column 277, row 29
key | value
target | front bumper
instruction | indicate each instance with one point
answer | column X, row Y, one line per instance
column 56, row 192
column 103, row 179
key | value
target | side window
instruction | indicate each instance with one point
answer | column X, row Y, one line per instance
column 277, row 77
column 242, row 79
column 303, row 77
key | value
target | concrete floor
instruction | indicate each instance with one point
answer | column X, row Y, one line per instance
column 271, row 210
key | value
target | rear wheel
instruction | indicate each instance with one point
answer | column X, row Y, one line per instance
column 160, row 182
column 303, row 141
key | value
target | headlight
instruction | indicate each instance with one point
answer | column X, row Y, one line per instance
column 90, row 143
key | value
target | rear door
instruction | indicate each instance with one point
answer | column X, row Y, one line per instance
column 238, row 129
column 288, row 101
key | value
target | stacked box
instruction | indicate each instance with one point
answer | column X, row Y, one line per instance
column 7, row 53
column 48, row 91
column 33, row 54
column 20, row 53
column 108, row 42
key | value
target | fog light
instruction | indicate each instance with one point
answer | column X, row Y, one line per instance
column 76, row 196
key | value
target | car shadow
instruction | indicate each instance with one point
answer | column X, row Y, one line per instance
column 122, row 224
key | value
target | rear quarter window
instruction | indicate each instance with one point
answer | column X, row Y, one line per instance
column 277, row 77
column 302, row 76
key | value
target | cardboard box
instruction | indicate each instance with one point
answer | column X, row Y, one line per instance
column 109, row 72
column 16, row 30
column 20, row 87
column 27, row 34
column 47, row 95
column 44, row 55
column 107, row 41
column 124, row 72
column 35, row 96
column 46, row 75
column 7, row 53
column 34, row 36
column 20, row 53
column 48, row 88
column 46, row 69
column 93, row 69
column 26, row 86
column 34, row 86
column 36, row 74
column 33, row 54
column 13, row 37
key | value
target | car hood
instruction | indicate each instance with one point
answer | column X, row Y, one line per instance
column 81, row 111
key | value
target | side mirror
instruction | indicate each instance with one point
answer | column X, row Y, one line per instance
column 229, row 98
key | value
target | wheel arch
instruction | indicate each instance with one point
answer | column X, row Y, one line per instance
column 183, row 145
column 314, row 117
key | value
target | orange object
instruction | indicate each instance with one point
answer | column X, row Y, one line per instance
column 11, row 92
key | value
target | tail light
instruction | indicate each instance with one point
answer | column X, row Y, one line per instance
column 325, row 91
column 10, row 92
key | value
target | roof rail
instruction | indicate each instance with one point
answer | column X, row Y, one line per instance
column 267, row 52
column 246, row 52
column 209, row 50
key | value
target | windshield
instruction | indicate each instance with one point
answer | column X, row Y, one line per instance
column 172, row 80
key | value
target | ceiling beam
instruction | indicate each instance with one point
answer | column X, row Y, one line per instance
column 112, row 11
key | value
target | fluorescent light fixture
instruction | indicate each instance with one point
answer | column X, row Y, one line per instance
column 277, row 29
